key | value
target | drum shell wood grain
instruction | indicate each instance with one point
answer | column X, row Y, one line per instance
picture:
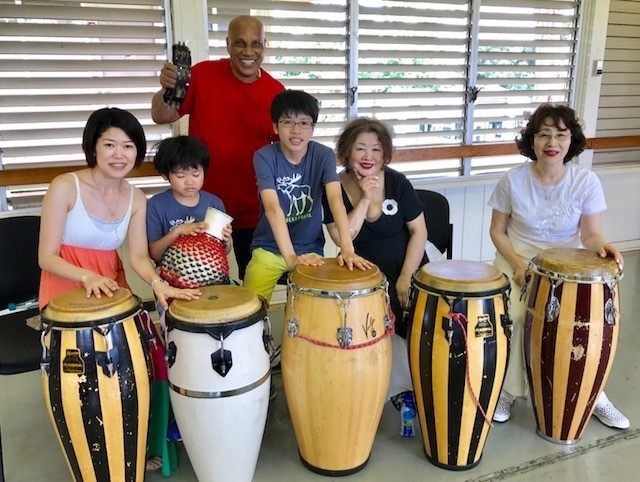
column 568, row 358
column 101, row 421
column 335, row 396
column 453, row 429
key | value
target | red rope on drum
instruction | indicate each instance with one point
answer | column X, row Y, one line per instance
column 456, row 317
column 388, row 332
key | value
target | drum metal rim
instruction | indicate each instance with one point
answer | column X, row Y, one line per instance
column 220, row 394
column 332, row 294
column 462, row 294
column 614, row 278
column 230, row 326
column 74, row 325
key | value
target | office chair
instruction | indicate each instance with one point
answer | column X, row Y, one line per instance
column 19, row 281
column 436, row 213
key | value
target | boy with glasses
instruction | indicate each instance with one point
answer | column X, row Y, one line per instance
column 293, row 175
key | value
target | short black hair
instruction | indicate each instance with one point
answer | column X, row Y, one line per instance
column 181, row 152
column 102, row 120
column 291, row 102
column 560, row 114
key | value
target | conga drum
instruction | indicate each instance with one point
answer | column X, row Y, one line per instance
column 336, row 363
column 570, row 338
column 219, row 379
column 96, row 378
column 459, row 343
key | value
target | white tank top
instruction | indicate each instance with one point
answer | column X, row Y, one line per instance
column 86, row 231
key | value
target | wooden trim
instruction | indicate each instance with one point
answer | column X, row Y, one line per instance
column 44, row 175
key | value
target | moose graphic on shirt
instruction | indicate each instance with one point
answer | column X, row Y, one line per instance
column 300, row 200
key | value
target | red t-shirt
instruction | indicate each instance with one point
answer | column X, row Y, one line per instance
column 233, row 119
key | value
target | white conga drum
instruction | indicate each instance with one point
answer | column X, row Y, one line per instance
column 459, row 343
column 219, row 379
column 570, row 338
column 336, row 363
column 96, row 379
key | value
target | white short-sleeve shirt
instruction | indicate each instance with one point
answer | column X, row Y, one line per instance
column 546, row 216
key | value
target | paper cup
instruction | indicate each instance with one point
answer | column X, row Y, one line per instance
column 216, row 220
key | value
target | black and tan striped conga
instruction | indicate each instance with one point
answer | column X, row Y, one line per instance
column 336, row 363
column 459, row 342
column 96, row 381
column 570, row 338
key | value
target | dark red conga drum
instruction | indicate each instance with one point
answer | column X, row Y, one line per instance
column 459, row 342
column 570, row 338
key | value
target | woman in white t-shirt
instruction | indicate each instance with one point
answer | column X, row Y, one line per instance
column 549, row 202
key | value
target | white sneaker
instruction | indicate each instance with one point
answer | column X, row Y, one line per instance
column 608, row 414
column 503, row 409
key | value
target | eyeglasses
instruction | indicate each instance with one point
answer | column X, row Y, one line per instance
column 546, row 136
column 288, row 124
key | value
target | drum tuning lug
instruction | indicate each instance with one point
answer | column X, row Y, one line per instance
column 45, row 358
column 221, row 362
column 293, row 327
column 345, row 336
column 387, row 321
column 447, row 326
column 45, row 364
column 552, row 309
column 610, row 312
column 507, row 324
column 170, row 354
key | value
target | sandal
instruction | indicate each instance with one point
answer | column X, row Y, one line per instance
column 153, row 464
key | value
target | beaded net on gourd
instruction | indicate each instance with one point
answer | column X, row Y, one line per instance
column 194, row 261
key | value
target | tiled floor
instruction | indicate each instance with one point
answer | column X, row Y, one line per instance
column 513, row 450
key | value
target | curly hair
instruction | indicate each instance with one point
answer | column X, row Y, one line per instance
column 559, row 114
column 351, row 131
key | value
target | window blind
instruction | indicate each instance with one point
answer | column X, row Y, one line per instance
column 60, row 61
column 619, row 107
column 306, row 50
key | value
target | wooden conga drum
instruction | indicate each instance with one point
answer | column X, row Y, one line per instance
column 336, row 363
column 459, row 342
column 96, row 379
column 570, row 338
column 219, row 379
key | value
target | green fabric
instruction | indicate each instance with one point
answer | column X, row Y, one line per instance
column 157, row 443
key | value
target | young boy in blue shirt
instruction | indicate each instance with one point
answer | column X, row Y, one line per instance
column 180, row 210
column 293, row 175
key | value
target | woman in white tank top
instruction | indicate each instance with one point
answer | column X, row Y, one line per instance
column 86, row 216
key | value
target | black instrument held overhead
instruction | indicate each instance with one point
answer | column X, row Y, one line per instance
column 181, row 59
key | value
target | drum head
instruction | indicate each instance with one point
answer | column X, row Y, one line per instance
column 73, row 309
column 332, row 277
column 575, row 264
column 461, row 277
column 218, row 305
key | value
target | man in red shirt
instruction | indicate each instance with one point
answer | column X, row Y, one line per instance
column 229, row 102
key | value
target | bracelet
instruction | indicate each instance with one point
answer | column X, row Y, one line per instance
column 157, row 280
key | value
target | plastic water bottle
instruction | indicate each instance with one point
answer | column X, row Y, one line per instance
column 407, row 415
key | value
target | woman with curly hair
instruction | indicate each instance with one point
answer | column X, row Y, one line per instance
column 549, row 202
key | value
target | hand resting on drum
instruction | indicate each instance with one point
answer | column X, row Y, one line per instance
column 351, row 259
column 610, row 250
column 163, row 292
